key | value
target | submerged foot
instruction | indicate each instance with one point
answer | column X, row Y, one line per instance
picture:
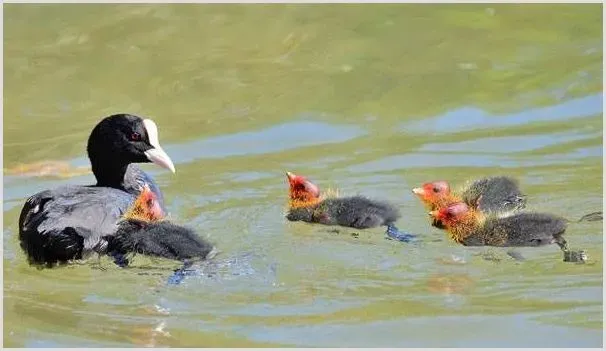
column 179, row 274
column 515, row 255
column 575, row 256
column 394, row 233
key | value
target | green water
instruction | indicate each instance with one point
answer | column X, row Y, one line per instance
column 372, row 99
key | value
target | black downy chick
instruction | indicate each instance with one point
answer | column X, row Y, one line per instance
column 470, row 227
column 307, row 205
column 355, row 212
column 143, row 231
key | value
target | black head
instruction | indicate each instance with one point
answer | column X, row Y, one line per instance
column 119, row 140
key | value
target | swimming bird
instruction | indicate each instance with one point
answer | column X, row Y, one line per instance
column 72, row 221
column 471, row 227
column 144, row 229
column 490, row 194
column 307, row 204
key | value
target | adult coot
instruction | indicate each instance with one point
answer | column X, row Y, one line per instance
column 71, row 221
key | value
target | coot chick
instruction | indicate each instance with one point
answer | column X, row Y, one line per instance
column 69, row 222
column 470, row 227
column 492, row 194
column 134, row 181
column 306, row 204
column 142, row 230
column 159, row 239
column 502, row 194
column 146, row 207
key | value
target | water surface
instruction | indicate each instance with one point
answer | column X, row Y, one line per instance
column 372, row 99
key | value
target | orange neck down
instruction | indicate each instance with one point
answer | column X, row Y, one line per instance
column 444, row 201
column 462, row 227
column 298, row 203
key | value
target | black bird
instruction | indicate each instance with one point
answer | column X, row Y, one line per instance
column 495, row 194
column 143, row 229
column 354, row 211
column 71, row 221
column 306, row 204
column 492, row 194
column 156, row 238
column 471, row 227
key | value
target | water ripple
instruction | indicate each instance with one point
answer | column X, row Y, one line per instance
column 282, row 137
column 509, row 144
column 473, row 118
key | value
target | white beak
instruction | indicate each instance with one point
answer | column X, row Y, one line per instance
column 156, row 154
column 418, row 191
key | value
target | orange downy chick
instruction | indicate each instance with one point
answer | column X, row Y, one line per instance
column 302, row 192
column 145, row 208
column 470, row 227
column 459, row 220
column 436, row 195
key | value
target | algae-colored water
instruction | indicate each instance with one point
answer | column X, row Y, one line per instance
column 371, row 99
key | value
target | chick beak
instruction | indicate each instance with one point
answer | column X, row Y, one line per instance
column 418, row 191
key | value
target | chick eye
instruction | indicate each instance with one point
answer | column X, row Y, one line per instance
column 436, row 190
column 134, row 136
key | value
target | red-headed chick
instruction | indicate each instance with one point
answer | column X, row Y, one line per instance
column 143, row 230
column 146, row 207
column 493, row 194
column 306, row 204
column 301, row 191
column 470, row 227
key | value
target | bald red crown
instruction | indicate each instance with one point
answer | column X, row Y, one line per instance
column 302, row 189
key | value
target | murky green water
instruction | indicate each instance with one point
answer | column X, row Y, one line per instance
column 373, row 99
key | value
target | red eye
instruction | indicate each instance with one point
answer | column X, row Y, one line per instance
column 135, row 136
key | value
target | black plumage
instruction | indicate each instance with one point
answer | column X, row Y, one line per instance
column 518, row 230
column 495, row 194
column 160, row 239
column 71, row 221
column 355, row 211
